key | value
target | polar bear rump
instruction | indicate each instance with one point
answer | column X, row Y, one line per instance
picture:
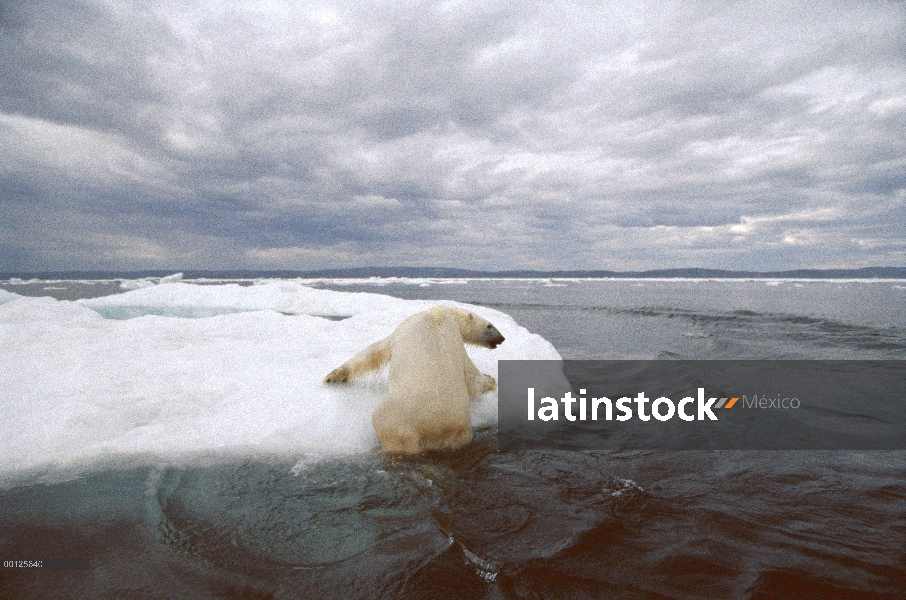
column 430, row 382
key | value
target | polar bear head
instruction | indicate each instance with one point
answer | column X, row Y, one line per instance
column 474, row 329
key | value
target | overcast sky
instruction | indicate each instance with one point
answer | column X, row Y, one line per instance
column 488, row 135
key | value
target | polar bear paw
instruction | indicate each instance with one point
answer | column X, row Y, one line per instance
column 338, row 375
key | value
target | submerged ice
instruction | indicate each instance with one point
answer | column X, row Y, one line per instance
column 129, row 377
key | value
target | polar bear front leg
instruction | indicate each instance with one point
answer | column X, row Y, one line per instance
column 371, row 358
column 477, row 382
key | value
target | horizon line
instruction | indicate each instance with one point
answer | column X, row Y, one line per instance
column 453, row 273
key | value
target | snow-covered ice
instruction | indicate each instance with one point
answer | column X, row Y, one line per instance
column 181, row 372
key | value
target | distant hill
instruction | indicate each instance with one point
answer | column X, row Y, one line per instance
column 437, row 272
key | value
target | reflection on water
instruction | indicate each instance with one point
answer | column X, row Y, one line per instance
column 350, row 527
column 476, row 523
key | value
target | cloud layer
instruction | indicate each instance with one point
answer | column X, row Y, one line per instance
column 465, row 134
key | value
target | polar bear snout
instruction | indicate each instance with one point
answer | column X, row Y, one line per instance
column 492, row 338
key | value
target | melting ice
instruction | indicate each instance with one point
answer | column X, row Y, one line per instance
column 181, row 372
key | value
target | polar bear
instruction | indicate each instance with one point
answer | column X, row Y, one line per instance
column 431, row 379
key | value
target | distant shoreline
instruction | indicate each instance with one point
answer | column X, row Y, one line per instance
column 449, row 273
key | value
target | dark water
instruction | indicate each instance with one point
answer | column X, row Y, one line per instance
column 692, row 319
column 529, row 524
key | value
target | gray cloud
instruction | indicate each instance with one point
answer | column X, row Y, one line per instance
column 564, row 135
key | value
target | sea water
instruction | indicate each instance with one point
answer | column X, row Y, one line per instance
column 176, row 433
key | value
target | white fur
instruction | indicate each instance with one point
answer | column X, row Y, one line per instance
column 431, row 379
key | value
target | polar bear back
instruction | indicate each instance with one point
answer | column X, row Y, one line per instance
column 431, row 379
column 428, row 397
